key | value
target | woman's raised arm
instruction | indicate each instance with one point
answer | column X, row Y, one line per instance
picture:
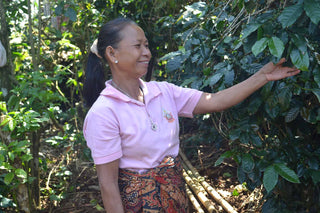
column 215, row 102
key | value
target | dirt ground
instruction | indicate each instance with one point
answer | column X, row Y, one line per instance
column 84, row 195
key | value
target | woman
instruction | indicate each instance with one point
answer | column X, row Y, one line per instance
column 132, row 126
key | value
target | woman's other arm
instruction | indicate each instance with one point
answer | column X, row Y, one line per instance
column 108, row 180
column 215, row 102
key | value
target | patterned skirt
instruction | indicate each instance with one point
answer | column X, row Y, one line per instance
column 161, row 189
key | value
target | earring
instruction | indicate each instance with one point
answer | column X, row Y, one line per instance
column 116, row 61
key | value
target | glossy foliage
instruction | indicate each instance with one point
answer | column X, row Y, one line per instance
column 274, row 134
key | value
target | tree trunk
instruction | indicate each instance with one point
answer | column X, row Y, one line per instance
column 35, row 136
column 6, row 72
column 34, row 167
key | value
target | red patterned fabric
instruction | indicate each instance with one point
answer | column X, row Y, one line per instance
column 161, row 189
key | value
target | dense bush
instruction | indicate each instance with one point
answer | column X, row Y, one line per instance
column 274, row 134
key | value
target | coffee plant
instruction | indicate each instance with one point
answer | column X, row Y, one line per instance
column 274, row 134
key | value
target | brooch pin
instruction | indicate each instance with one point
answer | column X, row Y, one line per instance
column 168, row 116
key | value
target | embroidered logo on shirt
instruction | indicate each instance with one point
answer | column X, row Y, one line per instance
column 168, row 116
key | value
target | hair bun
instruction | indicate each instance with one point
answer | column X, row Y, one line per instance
column 94, row 48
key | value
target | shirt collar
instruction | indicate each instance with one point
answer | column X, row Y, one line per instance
column 150, row 91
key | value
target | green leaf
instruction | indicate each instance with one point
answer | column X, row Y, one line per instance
column 188, row 81
column 300, row 59
column 276, row 46
column 5, row 202
column 215, row 78
column 317, row 55
column 250, row 28
column 316, row 76
column 227, row 154
column 300, row 42
column 317, row 93
column 12, row 124
column 229, row 77
column 11, row 156
column 247, row 163
column 315, row 175
column 312, row 8
column 254, row 105
column 290, row 15
column 284, row 98
column 71, row 14
column 174, row 64
column 21, row 173
column 259, row 46
column 67, row 173
column 256, row 140
column 8, row 178
column 58, row 10
column 270, row 178
column 3, row 106
column 292, row 114
column 286, row 173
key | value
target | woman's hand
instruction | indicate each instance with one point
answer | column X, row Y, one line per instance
column 229, row 97
column 275, row 72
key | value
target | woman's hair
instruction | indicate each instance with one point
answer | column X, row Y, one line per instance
column 94, row 76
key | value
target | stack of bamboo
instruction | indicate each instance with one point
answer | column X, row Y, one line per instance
column 199, row 190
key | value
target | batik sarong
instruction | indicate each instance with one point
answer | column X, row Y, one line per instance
column 161, row 189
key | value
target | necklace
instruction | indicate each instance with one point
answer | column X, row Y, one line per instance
column 154, row 125
column 121, row 90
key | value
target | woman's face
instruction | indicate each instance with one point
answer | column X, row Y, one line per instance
column 133, row 52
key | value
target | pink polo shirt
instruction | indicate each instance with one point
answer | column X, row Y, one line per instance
column 118, row 127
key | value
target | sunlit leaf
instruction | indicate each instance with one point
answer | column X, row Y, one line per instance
column 8, row 178
column 21, row 173
column 11, row 156
column 3, row 106
column 290, row 15
column 5, row 202
column 68, row 173
column 270, row 178
column 11, row 124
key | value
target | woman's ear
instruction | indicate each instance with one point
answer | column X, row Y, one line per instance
column 110, row 54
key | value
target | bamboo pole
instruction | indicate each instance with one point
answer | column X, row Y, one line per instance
column 194, row 200
column 201, row 196
column 194, row 179
column 207, row 186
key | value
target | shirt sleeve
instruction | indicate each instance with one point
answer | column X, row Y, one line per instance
column 102, row 135
column 185, row 99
